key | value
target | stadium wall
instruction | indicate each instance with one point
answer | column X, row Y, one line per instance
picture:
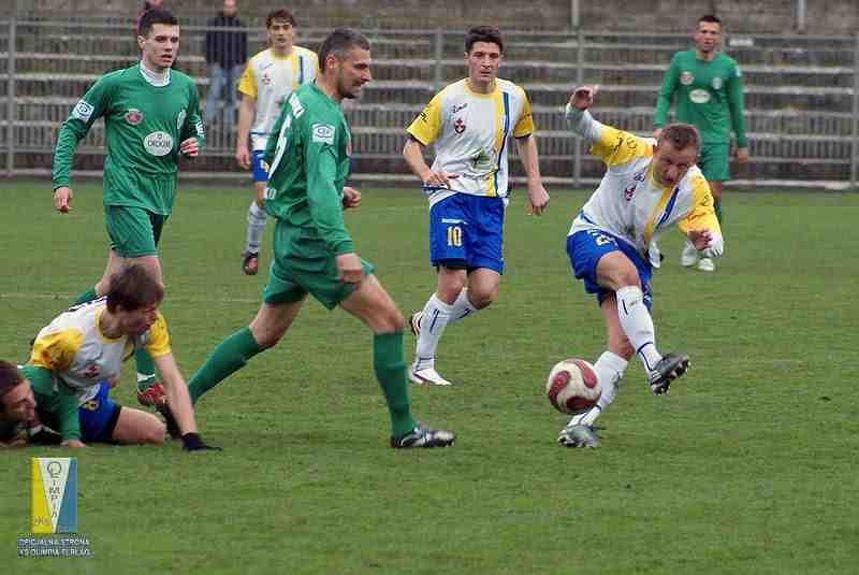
column 778, row 16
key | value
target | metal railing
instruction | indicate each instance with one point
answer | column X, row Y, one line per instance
column 802, row 94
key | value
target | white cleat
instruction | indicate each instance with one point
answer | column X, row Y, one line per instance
column 689, row 257
column 426, row 376
column 654, row 255
column 706, row 265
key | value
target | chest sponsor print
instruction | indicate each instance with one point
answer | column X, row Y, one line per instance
column 699, row 96
column 686, row 78
column 158, row 143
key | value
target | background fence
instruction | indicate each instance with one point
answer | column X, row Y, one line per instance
column 802, row 95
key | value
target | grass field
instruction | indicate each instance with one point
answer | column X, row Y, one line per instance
column 749, row 466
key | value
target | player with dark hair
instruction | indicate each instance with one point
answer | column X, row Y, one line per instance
column 471, row 122
column 706, row 87
column 269, row 78
column 649, row 186
column 17, row 405
column 76, row 359
column 313, row 252
column 151, row 117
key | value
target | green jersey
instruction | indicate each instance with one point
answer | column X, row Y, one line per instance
column 144, row 126
column 308, row 155
column 708, row 95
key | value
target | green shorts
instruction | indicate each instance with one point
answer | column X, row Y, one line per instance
column 133, row 232
column 302, row 264
column 714, row 162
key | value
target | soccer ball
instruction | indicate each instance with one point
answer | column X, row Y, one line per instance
column 572, row 386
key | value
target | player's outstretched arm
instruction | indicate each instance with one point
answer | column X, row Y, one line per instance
column 180, row 402
column 413, row 152
column 538, row 197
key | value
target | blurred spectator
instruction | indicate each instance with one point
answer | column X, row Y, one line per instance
column 226, row 53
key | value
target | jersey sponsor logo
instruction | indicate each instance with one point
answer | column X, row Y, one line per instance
column 686, row 78
column 180, row 120
column 629, row 192
column 158, row 143
column 459, row 125
column 266, row 79
column 323, row 133
column 699, row 96
column 717, row 83
column 133, row 116
column 458, row 107
column 83, row 111
column 90, row 371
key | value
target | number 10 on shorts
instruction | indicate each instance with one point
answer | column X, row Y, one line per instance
column 454, row 236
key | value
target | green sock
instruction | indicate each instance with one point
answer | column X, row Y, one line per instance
column 88, row 295
column 717, row 206
column 231, row 355
column 390, row 370
column 145, row 369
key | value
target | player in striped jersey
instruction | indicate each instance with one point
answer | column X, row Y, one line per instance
column 649, row 186
column 470, row 122
column 269, row 78
column 77, row 358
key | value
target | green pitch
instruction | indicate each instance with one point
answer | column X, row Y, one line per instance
column 748, row 466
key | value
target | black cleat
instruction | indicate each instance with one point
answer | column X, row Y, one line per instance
column 669, row 368
column 422, row 436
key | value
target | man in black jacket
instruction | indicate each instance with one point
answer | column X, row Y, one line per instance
column 226, row 53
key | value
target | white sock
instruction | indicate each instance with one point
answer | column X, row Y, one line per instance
column 436, row 317
column 256, row 228
column 462, row 307
column 637, row 325
column 609, row 368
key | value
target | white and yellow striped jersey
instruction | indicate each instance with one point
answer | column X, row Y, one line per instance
column 74, row 348
column 270, row 80
column 629, row 202
column 471, row 132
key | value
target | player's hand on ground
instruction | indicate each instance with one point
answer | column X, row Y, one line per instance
column 193, row 442
column 73, row 443
column 438, row 179
column 710, row 244
column 63, row 199
column 538, row 198
column 349, row 268
column 583, row 97
column 351, row 197
column 742, row 155
column 243, row 156
column 190, row 148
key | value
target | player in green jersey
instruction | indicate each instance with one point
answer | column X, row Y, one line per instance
column 308, row 154
column 151, row 116
column 707, row 89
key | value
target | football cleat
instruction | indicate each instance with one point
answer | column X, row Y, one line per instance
column 152, row 396
column 654, row 255
column 427, row 376
column 689, row 255
column 172, row 426
column 669, row 368
column 579, row 435
column 250, row 263
column 706, row 265
column 415, row 322
column 424, row 437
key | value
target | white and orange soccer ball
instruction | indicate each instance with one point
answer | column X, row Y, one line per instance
column 572, row 386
